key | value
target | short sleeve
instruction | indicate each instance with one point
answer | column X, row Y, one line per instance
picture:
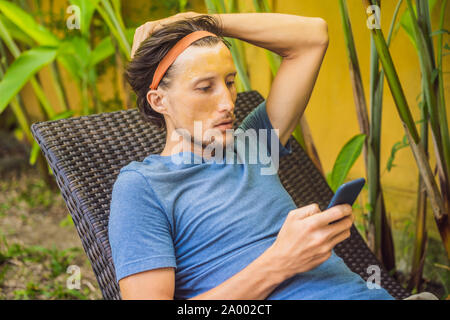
column 139, row 231
column 258, row 119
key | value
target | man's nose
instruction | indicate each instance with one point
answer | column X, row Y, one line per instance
column 226, row 102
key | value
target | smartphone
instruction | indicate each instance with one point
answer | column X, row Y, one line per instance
column 347, row 193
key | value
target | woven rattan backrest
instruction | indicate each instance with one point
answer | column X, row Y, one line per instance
column 86, row 154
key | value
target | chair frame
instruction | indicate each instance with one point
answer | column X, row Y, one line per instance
column 86, row 153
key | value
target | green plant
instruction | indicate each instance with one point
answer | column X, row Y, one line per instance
column 439, row 198
column 395, row 148
column 36, row 194
column 30, row 292
column 345, row 160
column 15, row 255
column 379, row 233
column 78, row 52
column 442, row 272
column 432, row 108
column 52, row 291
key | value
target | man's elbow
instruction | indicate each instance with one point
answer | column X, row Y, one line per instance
column 322, row 32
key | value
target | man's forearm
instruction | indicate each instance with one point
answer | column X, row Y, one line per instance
column 254, row 282
column 283, row 34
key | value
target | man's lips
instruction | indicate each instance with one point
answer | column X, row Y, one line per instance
column 225, row 125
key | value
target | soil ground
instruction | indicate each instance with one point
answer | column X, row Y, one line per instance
column 38, row 244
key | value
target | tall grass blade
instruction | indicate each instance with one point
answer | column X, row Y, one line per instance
column 414, row 140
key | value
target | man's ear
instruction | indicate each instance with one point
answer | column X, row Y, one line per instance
column 155, row 98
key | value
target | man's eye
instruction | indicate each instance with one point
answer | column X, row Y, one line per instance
column 205, row 88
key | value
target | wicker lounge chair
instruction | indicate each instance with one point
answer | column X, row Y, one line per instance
column 86, row 154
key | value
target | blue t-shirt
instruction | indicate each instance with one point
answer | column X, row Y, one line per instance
column 209, row 220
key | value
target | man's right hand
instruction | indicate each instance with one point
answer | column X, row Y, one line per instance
column 307, row 238
column 148, row 28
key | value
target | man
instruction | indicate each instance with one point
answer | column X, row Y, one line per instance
column 213, row 230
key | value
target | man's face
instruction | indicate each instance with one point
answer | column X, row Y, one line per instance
column 203, row 93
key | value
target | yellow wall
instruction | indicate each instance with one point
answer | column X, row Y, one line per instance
column 331, row 111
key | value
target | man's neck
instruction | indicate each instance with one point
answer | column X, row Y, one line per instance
column 187, row 146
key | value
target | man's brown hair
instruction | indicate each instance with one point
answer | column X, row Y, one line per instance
column 141, row 69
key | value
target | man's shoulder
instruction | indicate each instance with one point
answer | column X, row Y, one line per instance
column 134, row 176
column 131, row 166
column 142, row 168
column 256, row 119
column 133, row 187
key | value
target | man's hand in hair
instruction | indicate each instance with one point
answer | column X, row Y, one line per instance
column 147, row 29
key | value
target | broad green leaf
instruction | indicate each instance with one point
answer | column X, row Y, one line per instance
column 20, row 71
column 74, row 53
column 27, row 24
column 70, row 64
column 15, row 32
column 79, row 48
column 345, row 160
column 92, row 76
column 406, row 21
column 102, row 51
column 328, row 178
column 87, row 9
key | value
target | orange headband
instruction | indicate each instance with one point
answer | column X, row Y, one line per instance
column 174, row 52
